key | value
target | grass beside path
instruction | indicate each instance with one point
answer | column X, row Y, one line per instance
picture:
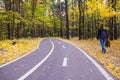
column 111, row 59
column 9, row 51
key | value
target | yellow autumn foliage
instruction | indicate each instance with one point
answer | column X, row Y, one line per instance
column 10, row 52
column 98, row 7
column 106, row 11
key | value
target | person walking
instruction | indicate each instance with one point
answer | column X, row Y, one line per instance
column 102, row 35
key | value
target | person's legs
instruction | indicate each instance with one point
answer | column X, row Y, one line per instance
column 104, row 45
column 102, row 41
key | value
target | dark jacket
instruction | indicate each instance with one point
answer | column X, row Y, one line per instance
column 100, row 32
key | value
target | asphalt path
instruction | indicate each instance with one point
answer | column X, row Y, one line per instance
column 54, row 59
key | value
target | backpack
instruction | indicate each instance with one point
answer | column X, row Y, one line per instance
column 103, row 34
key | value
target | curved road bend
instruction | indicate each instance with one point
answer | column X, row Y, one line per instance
column 55, row 60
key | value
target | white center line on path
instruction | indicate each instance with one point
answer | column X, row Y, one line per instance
column 63, row 46
column 38, row 65
column 59, row 42
column 65, row 62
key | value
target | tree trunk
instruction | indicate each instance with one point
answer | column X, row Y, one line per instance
column 111, row 28
column 13, row 19
column 33, row 3
column 9, row 31
column 8, row 8
column 111, row 22
column 67, row 19
column 115, row 25
column 79, row 4
column 83, row 19
column 60, row 16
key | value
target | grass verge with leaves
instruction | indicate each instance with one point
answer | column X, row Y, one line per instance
column 10, row 50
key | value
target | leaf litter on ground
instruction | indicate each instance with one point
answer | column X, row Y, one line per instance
column 9, row 51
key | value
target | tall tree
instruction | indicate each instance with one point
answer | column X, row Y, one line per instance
column 17, row 9
column 67, row 19
column 80, row 16
column 33, row 4
column 115, row 25
column 8, row 8
column 60, row 16
column 111, row 22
